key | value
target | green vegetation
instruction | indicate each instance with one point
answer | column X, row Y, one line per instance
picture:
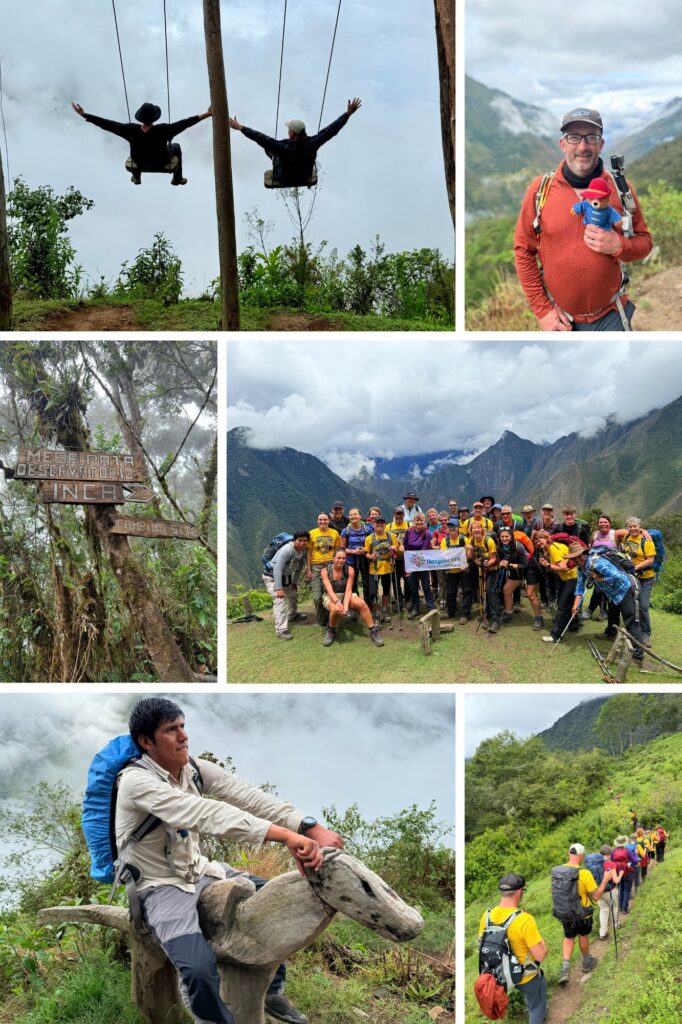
column 528, row 827
column 80, row 975
column 514, row 655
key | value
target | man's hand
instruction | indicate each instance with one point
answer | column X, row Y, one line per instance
column 308, row 575
column 305, row 851
column 207, row 113
column 279, row 593
column 555, row 320
column 234, row 123
column 79, row 110
column 609, row 243
column 576, row 606
column 353, row 105
column 324, row 837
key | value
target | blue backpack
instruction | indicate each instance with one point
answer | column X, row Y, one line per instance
column 659, row 557
column 273, row 547
column 594, row 862
column 99, row 805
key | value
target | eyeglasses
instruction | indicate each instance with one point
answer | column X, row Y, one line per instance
column 574, row 138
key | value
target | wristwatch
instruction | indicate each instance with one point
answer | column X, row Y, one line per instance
column 306, row 824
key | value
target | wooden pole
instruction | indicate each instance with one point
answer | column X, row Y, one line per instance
column 222, row 165
column 445, row 40
column 5, row 280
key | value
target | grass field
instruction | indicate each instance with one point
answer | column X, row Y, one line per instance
column 515, row 655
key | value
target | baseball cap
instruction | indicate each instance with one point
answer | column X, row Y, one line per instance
column 512, row 882
column 380, row 519
column 577, row 848
column 338, row 504
column 585, row 114
column 296, row 126
column 547, row 507
column 453, row 522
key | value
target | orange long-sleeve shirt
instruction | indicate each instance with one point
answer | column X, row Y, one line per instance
column 581, row 282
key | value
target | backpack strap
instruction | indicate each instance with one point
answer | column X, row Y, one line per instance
column 541, row 198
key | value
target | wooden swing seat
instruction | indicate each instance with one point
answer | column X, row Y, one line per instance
column 269, row 183
column 169, row 167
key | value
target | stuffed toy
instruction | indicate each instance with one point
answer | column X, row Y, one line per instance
column 595, row 208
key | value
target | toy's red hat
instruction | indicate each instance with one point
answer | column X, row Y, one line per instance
column 599, row 189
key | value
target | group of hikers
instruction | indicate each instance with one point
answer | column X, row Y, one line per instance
column 511, row 948
column 552, row 561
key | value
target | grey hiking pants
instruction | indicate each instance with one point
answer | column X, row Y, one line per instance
column 534, row 993
column 172, row 916
column 611, row 321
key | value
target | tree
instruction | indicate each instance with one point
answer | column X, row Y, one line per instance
column 5, row 280
column 445, row 39
column 41, row 253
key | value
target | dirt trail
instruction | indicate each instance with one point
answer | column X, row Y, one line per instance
column 301, row 322
column 91, row 318
column 659, row 302
column 567, row 998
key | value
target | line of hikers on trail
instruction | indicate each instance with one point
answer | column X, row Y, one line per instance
column 152, row 149
column 553, row 562
column 510, row 946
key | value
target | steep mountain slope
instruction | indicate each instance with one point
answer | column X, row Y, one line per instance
column 576, row 730
column 664, row 163
column 273, row 490
column 667, row 126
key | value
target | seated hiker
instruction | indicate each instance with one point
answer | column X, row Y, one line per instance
column 339, row 599
column 525, row 945
column 151, row 148
column 172, row 872
column 293, row 159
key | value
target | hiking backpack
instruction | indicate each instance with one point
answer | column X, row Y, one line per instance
column 99, row 805
column 617, row 558
column 566, row 905
column 622, row 860
column 594, row 862
column 495, row 954
column 273, row 547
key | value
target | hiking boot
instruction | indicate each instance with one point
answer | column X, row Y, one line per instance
column 442, row 605
column 646, row 641
column 586, row 615
column 178, row 181
column 298, row 617
column 413, row 613
column 329, row 636
column 589, row 963
column 286, row 635
column 374, row 636
column 538, row 623
column 136, row 179
column 603, row 615
column 611, row 632
column 563, row 977
column 549, row 639
column 463, row 621
column 494, row 626
column 517, row 609
column 506, row 616
column 278, row 1006
column 385, row 617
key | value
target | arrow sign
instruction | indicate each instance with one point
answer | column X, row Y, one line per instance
column 133, row 526
column 80, row 492
column 137, row 492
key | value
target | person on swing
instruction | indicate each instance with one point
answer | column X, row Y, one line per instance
column 150, row 143
column 293, row 159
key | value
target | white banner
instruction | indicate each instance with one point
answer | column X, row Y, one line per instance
column 435, row 559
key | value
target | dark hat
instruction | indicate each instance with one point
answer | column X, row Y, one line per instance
column 491, row 499
column 411, row 494
column 512, row 882
column 585, row 114
column 453, row 522
column 399, row 509
column 148, row 113
column 380, row 519
column 338, row 504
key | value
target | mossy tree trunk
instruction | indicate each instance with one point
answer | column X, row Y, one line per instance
column 445, row 40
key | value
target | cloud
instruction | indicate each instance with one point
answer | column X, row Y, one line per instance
column 418, row 405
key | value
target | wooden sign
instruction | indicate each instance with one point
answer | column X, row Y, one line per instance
column 79, row 492
column 137, row 492
column 50, row 464
column 134, row 526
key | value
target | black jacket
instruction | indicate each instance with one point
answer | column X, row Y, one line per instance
column 148, row 149
column 293, row 161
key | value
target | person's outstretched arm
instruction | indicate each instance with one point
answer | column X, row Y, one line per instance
column 119, row 128
column 187, row 122
column 335, row 127
column 271, row 146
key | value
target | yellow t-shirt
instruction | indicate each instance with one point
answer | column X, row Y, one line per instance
column 586, row 885
column 398, row 532
column 323, row 544
column 639, row 549
column 487, row 524
column 379, row 544
column 484, row 550
column 444, row 545
column 557, row 553
column 523, row 933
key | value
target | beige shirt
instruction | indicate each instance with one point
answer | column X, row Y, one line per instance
column 238, row 811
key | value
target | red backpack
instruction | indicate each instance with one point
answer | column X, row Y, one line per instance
column 622, row 860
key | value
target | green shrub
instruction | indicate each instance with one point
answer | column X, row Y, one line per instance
column 155, row 271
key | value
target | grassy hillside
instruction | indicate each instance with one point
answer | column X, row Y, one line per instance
column 646, row 977
column 515, row 655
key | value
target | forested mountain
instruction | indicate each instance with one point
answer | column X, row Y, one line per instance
column 579, row 729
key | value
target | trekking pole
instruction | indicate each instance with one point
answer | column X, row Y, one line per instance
column 481, row 590
column 562, row 635
column 613, row 922
column 397, row 597
column 391, row 594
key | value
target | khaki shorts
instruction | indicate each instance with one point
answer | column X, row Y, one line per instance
column 326, row 601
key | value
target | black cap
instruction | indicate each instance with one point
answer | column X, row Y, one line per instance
column 148, row 113
column 380, row 519
column 411, row 494
column 512, row 882
column 338, row 504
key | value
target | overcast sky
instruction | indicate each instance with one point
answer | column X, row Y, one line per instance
column 622, row 56
column 382, row 175
column 383, row 752
column 524, row 714
column 405, row 398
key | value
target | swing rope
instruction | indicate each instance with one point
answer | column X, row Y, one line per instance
column 329, row 66
column 4, row 132
column 281, row 65
column 120, row 57
column 165, row 37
